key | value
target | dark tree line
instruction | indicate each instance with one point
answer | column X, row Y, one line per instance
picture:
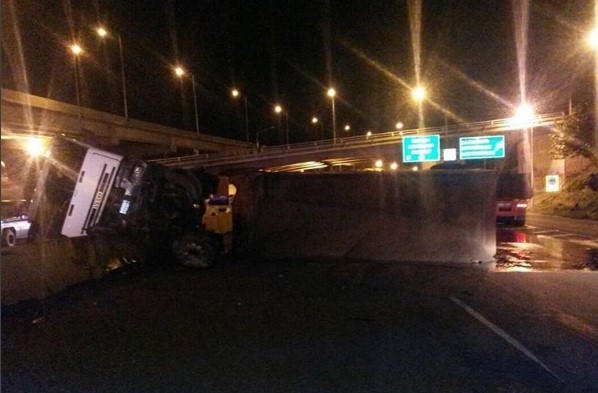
column 574, row 136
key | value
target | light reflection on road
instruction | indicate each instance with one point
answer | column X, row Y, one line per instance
column 532, row 249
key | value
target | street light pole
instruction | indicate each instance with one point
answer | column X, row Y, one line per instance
column 278, row 110
column 235, row 93
column 257, row 135
column 102, row 32
column 76, row 51
column 77, row 92
column 333, row 121
column 122, row 74
column 195, row 104
column 419, row 95
column 332, row 95
column 180, row 72
column 319, row 128
column 531, row 149
column 246, row 120
column 525, row 116
column 286, row 120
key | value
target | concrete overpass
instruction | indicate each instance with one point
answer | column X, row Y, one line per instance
column 28, row 115
column 351, row 151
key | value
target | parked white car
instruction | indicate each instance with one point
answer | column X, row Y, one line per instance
column 15, row 222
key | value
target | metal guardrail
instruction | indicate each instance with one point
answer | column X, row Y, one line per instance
column 355, row 142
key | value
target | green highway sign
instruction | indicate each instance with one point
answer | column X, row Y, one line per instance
column 477, row 147
column 421, row 148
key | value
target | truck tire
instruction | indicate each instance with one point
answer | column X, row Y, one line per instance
column 9, row 237
column 194, row 250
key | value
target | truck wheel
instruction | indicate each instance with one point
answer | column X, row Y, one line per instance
column 194, row 250
column 9, row 238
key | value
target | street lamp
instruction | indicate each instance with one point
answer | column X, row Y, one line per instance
column 399, row 125
column 593, row 38
column 525, row 117
column 419, row 94
column 278, row 110
column 524, row 114
column 34, row 147
column 315, row 121
column 235, row 93
column 180, row 72
column 77, row 50
column 347, row 128
column 103, row 33
column 332, row 94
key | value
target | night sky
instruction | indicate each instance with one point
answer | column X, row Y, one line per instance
column 290, row 52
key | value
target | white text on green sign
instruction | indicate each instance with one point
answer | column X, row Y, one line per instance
column 477, row 147
column 421, row 148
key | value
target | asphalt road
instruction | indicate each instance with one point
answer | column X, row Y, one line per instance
column 548, row 243
column 318, row 326
column 587, row 228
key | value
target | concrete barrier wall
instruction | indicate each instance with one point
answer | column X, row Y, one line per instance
column 34, row 271
column 428, row 216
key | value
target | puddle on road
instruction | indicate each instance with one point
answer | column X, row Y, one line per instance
column 525, row 250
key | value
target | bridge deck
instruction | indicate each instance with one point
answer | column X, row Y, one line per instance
column 343, row 146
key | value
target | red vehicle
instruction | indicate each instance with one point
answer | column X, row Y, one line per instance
column 512, row 194
column 511, row 211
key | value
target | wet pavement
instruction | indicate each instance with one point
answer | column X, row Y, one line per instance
column 308, row 326
column 538, row 249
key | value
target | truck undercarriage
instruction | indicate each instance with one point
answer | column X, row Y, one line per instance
column 135, row 211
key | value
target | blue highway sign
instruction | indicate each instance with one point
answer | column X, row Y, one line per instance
column 421, row 148
column 477, row 147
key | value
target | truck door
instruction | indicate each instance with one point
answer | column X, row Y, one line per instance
column 94, row 183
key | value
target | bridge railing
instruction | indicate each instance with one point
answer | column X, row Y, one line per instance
column 240, row 155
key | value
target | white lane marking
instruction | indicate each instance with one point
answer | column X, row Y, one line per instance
column 563, row 235
column 557, row 234
column 588, row 243
column 542, row 232
column 504, row 335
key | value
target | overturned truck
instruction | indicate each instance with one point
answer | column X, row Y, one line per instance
column 118, row 207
